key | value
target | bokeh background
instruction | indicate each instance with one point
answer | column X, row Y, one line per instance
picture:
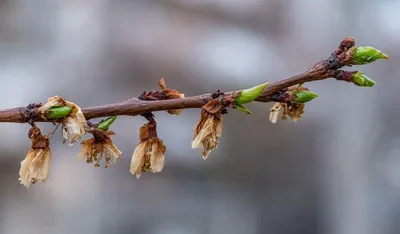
column 337, row 171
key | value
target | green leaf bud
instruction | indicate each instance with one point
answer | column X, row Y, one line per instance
column 105, row 124
column 57, row 112
column 305, row 96
column 249, row 95
column 362, row 80
column 242, row 108
column 367, row 54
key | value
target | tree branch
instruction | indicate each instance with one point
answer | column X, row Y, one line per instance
column 321, row 70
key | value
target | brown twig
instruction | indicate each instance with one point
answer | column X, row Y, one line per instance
column 321, row 70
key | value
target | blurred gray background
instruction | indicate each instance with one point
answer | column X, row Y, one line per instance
column 337, row 171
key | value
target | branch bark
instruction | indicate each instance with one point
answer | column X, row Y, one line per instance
column 321, row 70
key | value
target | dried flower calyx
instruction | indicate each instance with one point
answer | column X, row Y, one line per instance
column 164, row 94
column 208, row 129
column 36, row 165
column 290, row 103
column 149, row 153
column 73, row 121
column 291, row 109
column 100, row 146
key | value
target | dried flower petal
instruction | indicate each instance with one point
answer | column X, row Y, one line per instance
column 25, row 171
column 111, row 151
column 72, row 129
column 138, row 158
column 162, row 84
column 171, row 94
column 40, row 165
column 207, row 132
column 36, row 165
column 157, row 155
column 86, row 150
column 274, row 112
column 293, row 110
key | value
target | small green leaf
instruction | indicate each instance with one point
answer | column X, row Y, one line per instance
column 249, row 95
column 242, row 108
column 363, row 80
column 367, row 54
column 57, row 112
column 369, row 82
column 305, row 96
column 105, row 123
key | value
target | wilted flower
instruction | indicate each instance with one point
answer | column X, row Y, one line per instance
column 100, row 145
column 73, row 124
column 164, row 94
column 149, row 153
column 36, row 165
column 291, row 109
column 209, row 128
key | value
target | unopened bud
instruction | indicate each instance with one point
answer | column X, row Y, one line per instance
column 362, row 80
column 305, row 96
column 367, row 54
column 57, row 112
column 105, row 124
column 249, row 95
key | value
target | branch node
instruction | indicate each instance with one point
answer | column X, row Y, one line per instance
column 31, row 113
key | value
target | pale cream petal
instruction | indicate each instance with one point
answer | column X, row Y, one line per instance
column 113, row 151
column 79, row 116
column 24, row 172
column 85, row 150
column 204, row 132
column 295, row 118
column 298, row 112
column 273, row 116
column 138, row 159
column 52, row 101
column 157, row 156
column 73, row 130
column 40, row 165
column 207, row 148
column 275, row 112
column 209, row 144
column 218, row 124
column 199, row 125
